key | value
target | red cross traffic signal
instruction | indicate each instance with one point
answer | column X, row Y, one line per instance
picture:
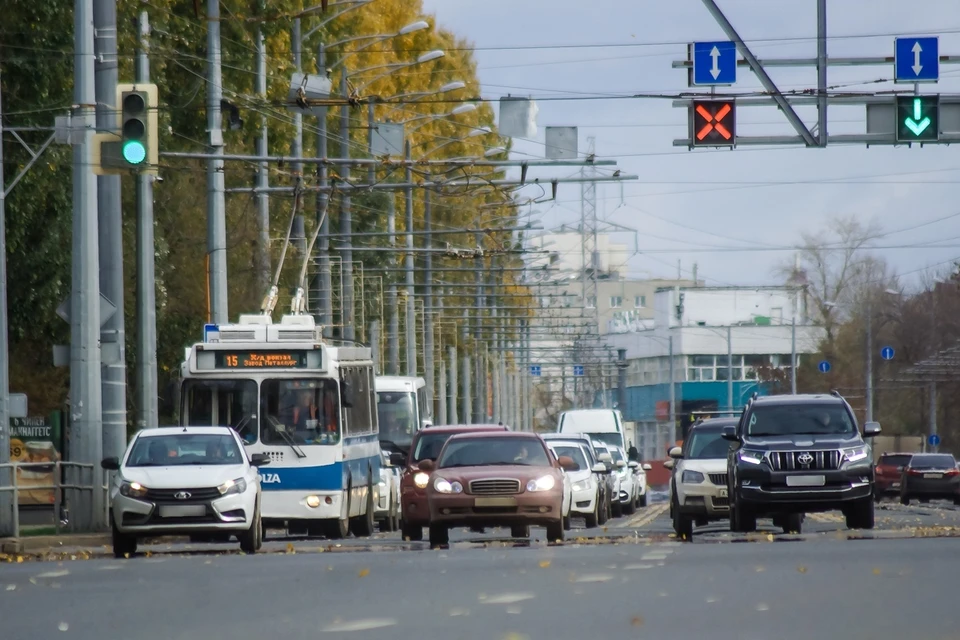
column 714, row 123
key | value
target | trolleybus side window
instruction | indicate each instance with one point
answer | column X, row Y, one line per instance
column 361, row 417
column 229, row 403
column 299, row 412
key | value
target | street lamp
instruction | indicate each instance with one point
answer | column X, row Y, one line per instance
column 395, row 66
column 481, row 131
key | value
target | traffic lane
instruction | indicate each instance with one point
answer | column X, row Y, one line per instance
column 741, row 592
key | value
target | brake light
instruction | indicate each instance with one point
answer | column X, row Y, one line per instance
column 952, row 472
column 915, row 472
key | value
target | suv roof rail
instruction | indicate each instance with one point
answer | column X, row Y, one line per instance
column 835, row 393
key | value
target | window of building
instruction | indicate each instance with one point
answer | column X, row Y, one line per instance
column 616, row 302
column 640, row 302
column 592, row 302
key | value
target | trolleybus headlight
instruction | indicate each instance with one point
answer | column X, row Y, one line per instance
column 232, row 486
column 313, row 501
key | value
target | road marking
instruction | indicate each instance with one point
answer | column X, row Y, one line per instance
column 649, row 515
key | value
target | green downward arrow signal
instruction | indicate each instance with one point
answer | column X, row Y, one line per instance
column 915, row 124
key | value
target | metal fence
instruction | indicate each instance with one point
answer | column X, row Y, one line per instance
column 70, row 480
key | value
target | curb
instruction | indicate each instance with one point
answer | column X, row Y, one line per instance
column 38, row 545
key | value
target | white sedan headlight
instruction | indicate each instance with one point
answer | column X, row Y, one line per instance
column 445, row 486
column 232, row 486
column 132, row 489
column 544, row 483
column 581, row 486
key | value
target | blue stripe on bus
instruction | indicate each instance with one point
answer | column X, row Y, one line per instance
column 330, row 477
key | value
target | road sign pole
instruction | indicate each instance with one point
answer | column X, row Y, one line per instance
column 933, row 437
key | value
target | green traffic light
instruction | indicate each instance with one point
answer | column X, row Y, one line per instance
column 134, row 152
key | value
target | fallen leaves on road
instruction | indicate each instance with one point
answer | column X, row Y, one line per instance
column 802, row 569
column 636, row 621
column 63, row 626
column 770, row 537
column 876, row 572
column 544, row 564
column 364, row 573
column 290, row 548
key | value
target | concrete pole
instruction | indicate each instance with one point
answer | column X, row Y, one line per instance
column 110, row 224
column 411, row 310
column 465, row 408
column 429, row 374
column 263, row 173
column 86, row 419
column 622, row 380
column 442, row 391
column 452, row 356
column 793, row 356
column 729, row 371
column 375, row 345
column 216, row 205
column 147, row 411
column 346, row 221
column 393, row 313
column 323, row 282
column 933, row 412
column 296, row 145
column 673, row 397
column 869, row 372
column 6, row 476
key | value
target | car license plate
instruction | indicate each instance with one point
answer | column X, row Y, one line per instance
column 933, row 475
column 723, row 493
column 494, row 502
column 895, row 485
column 183, row 511
column 806, row 481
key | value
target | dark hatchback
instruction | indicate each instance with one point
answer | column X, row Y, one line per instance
column 798, row 454
column 889, row 471
column 931, row 476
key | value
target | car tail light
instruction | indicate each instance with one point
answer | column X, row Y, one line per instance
column 915, row 472
column 952, row 472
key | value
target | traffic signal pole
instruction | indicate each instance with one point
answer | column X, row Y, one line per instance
column 216, row 205
column 110, row 225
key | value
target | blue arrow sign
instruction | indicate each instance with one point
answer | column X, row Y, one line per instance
column 578, row 369
column 209, row 331
column 887, row 353
column 916, row 59
column 933, row 440
column 535, row 370
column 714, row 63
column 824, row 366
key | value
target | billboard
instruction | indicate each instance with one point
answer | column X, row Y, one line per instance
column 35, row 440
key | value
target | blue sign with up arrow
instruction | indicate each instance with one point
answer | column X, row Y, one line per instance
column 933, row 440
column 887, row 353
column 714, row 63
column 916, row 59
column 824, row 366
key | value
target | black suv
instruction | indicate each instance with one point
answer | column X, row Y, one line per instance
column 798, row 454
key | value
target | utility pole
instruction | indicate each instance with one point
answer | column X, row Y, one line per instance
column 216, row 205
column 793, row 355
column 393, row 322
column 296, row 146
column 480, row 408
column 6, row 476
column 452, row 368
column 869, row 358
column 110, row 226
column 673, row 397
column 729, row 371
column 346, row 222
column 465, row 407
column 147, row 414
column 428, row 370
column 324, row 281
column 411, row 310
column 263, row 171
column 86, row 419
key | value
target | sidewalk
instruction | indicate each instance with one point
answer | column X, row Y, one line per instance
column 40, row 545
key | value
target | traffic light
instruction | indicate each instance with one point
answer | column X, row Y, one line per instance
column 137, row 105
column 714, row 123
column 918, row 118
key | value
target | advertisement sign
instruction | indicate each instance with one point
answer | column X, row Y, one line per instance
column 35, row 439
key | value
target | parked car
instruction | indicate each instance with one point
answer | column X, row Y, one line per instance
column 888, row 472
column 491, row 479
column 931, row 476
column 600, row 473
column 387, row 512
column 185, row 481
column 613, row 478
column 587, row 491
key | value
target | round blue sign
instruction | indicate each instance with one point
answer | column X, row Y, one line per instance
column 887, row 353
column 824, row 366
column 933, row 440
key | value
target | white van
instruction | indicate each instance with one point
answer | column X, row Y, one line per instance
column 605, row 425
column 402, row 409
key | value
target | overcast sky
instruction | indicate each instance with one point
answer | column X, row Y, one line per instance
column 787, row 191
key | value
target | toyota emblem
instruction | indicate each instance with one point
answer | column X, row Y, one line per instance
column 182, row 495
column 805, row 458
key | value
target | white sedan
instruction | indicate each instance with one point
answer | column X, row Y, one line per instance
column 194, row 481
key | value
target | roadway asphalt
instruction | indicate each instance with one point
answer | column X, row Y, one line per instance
column 822, row 586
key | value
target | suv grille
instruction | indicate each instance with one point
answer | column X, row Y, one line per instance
column 797, row 460
column 196, row 495
column 718, row 479
column 497, row 486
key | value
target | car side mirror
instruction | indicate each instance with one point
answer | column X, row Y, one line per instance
column 675, row 453
column 427, row 465
column 599, row 468
column 668, row 464
column 730, row 433
column 621, row 464
column 871, row 429
column 568, row 464
column 398, row 459
column 633, row 464
column 605, row 458
column 259, row 459
column 646, row 466
column 110, row 464
column 426, row 424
